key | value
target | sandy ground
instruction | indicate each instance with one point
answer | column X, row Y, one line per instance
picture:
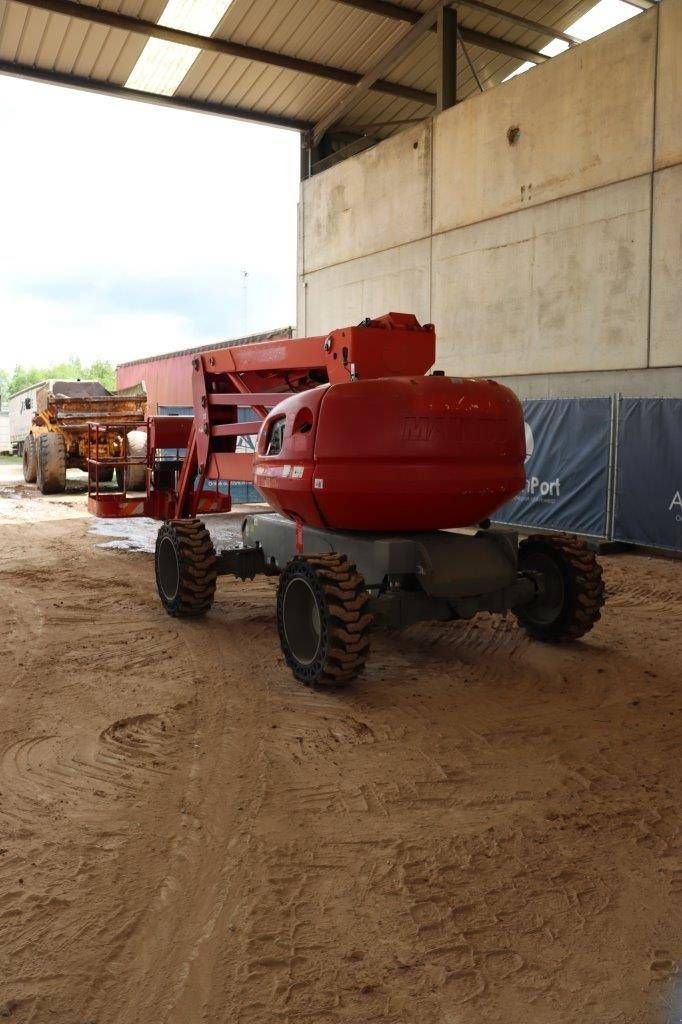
column 481, row 830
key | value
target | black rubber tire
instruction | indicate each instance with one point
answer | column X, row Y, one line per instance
column 186, row 568
column 106, row 474
column 576, row 583
column 51, row 473
column 338, row 642
column 29, row 459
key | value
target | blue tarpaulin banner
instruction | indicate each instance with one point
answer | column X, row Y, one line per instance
column 568, row 441
column 648, row 478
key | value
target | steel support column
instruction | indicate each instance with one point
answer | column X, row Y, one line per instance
column 447, row 58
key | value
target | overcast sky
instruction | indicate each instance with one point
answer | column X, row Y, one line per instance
column 125, row 227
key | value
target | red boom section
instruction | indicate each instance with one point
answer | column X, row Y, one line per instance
column 257, row 377
column 402, row 453
column 247, row 380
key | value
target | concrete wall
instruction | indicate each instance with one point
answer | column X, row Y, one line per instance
column 554, row 260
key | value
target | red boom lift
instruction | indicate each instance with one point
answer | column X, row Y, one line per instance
column 370, row 464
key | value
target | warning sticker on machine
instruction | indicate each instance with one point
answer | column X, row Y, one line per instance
column 286, row 470
column 296, row 472
column 318, row 484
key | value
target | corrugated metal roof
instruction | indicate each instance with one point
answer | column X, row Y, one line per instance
column 70, row 46
column 64, row 48
column 274, row 335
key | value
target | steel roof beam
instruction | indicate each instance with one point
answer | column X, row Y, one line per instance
column 178, row 102
column 213, row 44
column 384, row 64
column 486, row 42
column 447, row 58
column 390, row 10
column 423, row 24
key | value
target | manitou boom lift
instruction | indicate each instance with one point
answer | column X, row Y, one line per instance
column 371, row 464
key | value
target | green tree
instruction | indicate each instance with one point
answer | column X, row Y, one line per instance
column 103, row 372
column 71, row 369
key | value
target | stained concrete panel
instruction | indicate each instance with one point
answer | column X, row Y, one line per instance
column 669, row 85
column 666, row 269
column 374, row 201
column 397, row 280
column 585, row 119
column 558, row 288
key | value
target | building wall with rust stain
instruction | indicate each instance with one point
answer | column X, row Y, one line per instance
column 550, row 256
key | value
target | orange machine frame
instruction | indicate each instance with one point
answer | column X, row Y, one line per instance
column 257, row 376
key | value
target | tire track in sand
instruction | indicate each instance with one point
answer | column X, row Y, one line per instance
column 184, row 904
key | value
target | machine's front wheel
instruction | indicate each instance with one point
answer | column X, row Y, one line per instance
column 51, row 463
column 29, row 459
column 322, row 619
column 570, row 588
column 186, row 567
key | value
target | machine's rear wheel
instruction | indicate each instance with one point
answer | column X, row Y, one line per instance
column 51, row 468
column 186, row 567
column 29, row 459
column 571, row 594
column 322, row 619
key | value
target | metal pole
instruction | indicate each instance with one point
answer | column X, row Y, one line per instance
column 472, row 66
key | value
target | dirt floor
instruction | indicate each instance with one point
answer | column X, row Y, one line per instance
column 482, row 830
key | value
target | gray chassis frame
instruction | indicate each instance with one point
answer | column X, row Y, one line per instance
column 440, row 575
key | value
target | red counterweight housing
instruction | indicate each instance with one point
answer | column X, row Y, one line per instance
column 393, row 453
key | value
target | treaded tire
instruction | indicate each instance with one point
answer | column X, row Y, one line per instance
column 575, row 594
column 29, row 459
column 186, row 567
column 106, row 474
column 322, row 619
column 51, row 473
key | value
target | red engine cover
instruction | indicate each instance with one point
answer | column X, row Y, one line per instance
column 393, row 454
